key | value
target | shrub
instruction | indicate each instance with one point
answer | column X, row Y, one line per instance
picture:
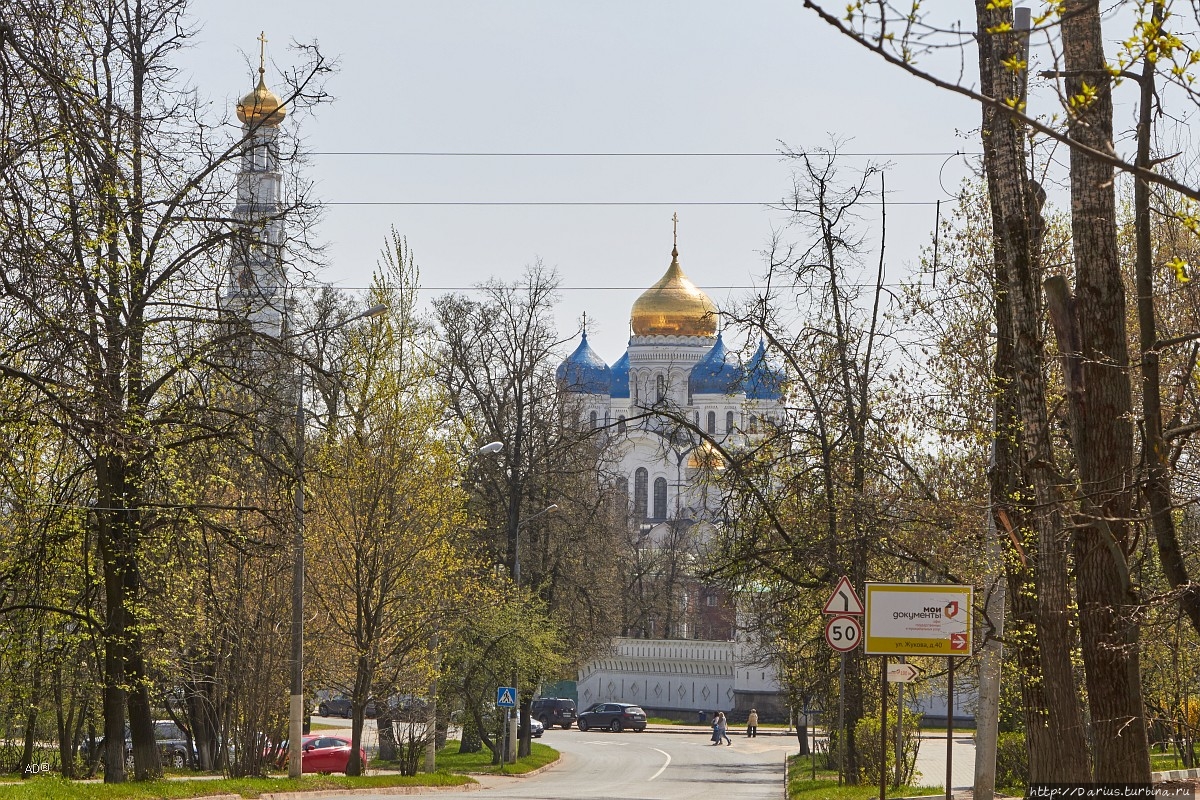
column 866, row 736
column 1012, row 760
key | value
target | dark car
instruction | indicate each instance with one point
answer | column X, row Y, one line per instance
column 340, row 706
column 614, row 716
column 173, row 746
column 554, row 711
column 409, row 708
column 174, row 751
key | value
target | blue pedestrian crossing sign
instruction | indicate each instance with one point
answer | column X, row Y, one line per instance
column 506, row 697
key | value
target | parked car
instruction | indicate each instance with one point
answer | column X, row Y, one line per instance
column 614, row 716
column 326, row 754
column 409, row 708
column 554, row 711
column 536, row 728
column 173, row 746
column 174, row 750
column 340, row 706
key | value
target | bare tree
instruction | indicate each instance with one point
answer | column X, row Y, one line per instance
column 112, row 231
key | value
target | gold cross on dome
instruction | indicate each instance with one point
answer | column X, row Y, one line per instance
column 675, row 229
column 262, row 52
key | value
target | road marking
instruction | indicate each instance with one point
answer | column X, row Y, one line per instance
column 664, row 766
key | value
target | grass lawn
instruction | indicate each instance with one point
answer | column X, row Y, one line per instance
column 801, row 786
column 327, row 726
column 449, row 759
column 1160, row 762
column 59, row 789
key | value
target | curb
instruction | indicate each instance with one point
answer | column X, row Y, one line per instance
column 325, row 793
column 529, row 774
column 1174, row 775
column 787, row 761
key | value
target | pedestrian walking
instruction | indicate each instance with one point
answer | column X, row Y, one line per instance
column 723, row 729
column 752, row 725
column 716, row 734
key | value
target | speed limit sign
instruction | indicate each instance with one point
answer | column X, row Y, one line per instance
column 843, row 633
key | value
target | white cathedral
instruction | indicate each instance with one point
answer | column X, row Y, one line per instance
column 676, row 370
column 677, row 367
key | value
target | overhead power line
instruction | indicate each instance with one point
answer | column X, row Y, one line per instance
column 777, row 203
column 481, row 154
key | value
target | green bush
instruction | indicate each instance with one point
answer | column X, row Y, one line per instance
column 866, row 736
column 1012, row 760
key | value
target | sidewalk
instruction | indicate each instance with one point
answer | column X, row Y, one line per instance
column 706, row 730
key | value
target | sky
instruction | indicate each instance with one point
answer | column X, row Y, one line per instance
column 553, row 77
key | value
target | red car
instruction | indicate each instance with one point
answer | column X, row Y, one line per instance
column 328, row 754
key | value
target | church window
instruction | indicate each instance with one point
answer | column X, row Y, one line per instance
column 592, row 419
column 661, row 385
column 660, row 498
column 641, row 481
column 623, row 488
column 753, row 424
column 711, row 600
column 712, row 422
column 621, row 424
column 729, row 422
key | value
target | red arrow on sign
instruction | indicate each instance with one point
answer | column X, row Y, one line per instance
column 958, row 641
column 844, row 599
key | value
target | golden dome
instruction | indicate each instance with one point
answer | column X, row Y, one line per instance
column 674, row 307
column 706, row 456
column 261, row 107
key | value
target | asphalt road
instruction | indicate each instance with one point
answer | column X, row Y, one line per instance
column 645, row 766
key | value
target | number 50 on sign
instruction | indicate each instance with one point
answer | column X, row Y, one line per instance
column 843, row 633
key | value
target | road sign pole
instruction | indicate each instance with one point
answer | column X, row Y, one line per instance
column 949, row 725
column 812, row 753
column 841, row 718
column 883, row 737
column 899, row 728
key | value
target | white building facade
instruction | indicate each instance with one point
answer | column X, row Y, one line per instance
column 676, row 391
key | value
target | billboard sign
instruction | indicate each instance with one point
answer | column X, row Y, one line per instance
column 918, row 619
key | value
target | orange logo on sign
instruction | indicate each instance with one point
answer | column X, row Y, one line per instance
column 951, row 609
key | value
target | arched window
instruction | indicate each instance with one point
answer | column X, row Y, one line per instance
column 729, row 422
column 621, row 426
column 712, row 422
column 753, row 424
column 660, row 498
column 661, row 384
column 641, row 480
column 592, row 419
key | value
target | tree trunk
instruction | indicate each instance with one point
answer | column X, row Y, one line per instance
column 1054, row 720
column 1100, row 408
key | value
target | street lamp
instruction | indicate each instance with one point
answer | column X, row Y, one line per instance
column 296, row 704
column 514, row 720
column 489, row 449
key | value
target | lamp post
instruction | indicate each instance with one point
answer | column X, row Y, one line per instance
column 489, row 449
column 514, row 721
column 296, row 701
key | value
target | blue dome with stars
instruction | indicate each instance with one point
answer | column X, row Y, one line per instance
column 620, row 378
column 716, row 373
column 584, row 372
column 763, row 381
